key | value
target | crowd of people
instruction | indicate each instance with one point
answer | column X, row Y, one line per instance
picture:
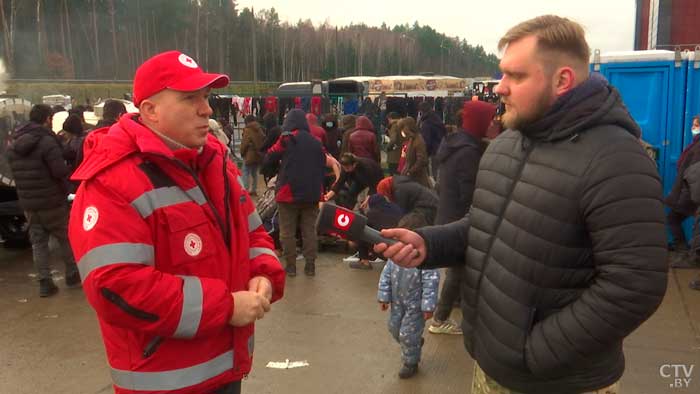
column 553, row 232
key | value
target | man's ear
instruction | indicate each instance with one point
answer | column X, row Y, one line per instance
column 147, row 110
column 564, row 80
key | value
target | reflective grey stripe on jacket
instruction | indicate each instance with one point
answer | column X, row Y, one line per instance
column 174, row 379
column 166, row 196
column 117, row 253
column 192, row 299
column 255, row 252
column 254, row 221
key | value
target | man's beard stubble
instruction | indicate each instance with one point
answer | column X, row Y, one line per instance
column 518, row 121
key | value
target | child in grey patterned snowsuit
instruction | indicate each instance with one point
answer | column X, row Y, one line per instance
column 412, row 294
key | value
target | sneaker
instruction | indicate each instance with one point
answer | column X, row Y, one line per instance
column 47, row 288
column 376, row 260
column 681, row 260
column 300, row 257
column 408, row 370
column 73, row 280
column 291, row 270
column 694, row 284
column 448, row 327
column 310, row 269
column 360, row 266
column 350, row 259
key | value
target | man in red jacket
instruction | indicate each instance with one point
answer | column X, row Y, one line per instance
column 170, row 249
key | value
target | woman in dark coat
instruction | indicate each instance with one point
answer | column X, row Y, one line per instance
column 678, row 200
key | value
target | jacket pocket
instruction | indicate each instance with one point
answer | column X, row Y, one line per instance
column 190, row 236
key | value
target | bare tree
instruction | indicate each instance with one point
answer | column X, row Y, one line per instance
column 115, row 59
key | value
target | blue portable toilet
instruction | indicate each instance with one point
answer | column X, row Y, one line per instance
column 652, row 85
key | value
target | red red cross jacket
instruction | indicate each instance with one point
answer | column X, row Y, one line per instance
column 162, row 239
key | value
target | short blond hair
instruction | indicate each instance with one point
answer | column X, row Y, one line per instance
column 555, row 36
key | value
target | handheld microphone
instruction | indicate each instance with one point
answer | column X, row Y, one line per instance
column 348, row 224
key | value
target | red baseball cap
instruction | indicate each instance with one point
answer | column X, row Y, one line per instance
column 172, row 70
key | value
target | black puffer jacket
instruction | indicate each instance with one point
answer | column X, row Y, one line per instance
column 36, row 161
column 458, row 158
column 412, row 197
column 565, row 247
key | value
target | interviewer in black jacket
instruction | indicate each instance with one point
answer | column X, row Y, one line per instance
column 564, row 246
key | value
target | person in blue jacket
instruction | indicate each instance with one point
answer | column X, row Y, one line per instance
column 412, row 294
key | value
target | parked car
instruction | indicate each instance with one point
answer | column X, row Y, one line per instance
column 13, row 225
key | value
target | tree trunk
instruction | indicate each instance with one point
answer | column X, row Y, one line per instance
column 68, row 34
column 115, row 58
column 196, row 31
column 96, row 39
column 141, row 55
column 39, row 41
column 8, row 33
column 61, row 19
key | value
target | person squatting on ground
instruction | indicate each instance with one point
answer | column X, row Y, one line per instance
column 299, row 188
column 173, row 255
column 679, row 201
column 41, row 175
column 358, row 174
column 564, row 246
column 458, row 161
column 412, row 294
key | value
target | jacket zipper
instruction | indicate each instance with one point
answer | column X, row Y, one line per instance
column 529, row 147
column 224, row 228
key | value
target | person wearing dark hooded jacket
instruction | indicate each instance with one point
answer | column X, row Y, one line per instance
column 363, row 141
column 679, row 201
column 272, row 131
column 317, row 131
column 299, row 188
column 564, row 246
column 41, row 175
column 412, row 197
column 458, row 160
column 432, row 129
column 334, row 136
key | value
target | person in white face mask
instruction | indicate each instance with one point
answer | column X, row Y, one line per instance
column 680, row 203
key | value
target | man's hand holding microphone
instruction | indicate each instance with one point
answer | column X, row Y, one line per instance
column 404, row 247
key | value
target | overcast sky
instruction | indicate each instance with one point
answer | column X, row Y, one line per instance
column 609, row 24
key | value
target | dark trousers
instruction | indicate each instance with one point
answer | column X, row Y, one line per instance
column 231, row 388
column 290, row 215
column 449, row 293
column 675, row 225
column 42, row 225
column 393, row 168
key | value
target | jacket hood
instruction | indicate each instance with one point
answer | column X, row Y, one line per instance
column 476, row 117
column 27, row 137
column 454, row 142
column 363, row 122
column 593, row 103
column 254, row 126
column 311, row 119
column 269, row 122
column 106, row 146
column 295, row 120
